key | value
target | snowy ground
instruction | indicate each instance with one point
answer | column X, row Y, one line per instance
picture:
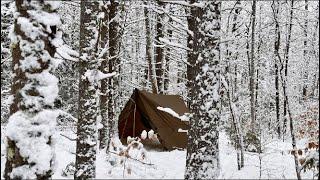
column 276, row 163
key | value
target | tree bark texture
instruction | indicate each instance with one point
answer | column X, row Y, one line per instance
column 34, row 89
column 88, row 99
column 203, row 150
column 149, row 51
column 252, row 69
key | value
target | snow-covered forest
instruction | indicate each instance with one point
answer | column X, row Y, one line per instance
column 161, row 89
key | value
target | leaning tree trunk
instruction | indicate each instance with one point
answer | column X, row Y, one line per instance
column 232, row 56
column 88, row 104
column 286, row 61
column 203, row 150
column 34, row 89
column 293, row 138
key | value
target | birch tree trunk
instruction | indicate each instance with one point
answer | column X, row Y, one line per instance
column 203, row 149
column 34, row 89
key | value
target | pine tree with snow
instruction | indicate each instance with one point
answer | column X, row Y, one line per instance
column 31, row 126
column 203, row 151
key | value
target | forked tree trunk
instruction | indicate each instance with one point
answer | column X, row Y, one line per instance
column 275, row 8
column 286, row 61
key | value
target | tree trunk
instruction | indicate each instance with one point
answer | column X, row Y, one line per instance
column 159, row 50
column 203, row 149
column 275, row 8
column 305, row 53
column 231, row 57
column 293, row 138
column 34, row 88
column 114, row 62
column 104, row 38
column 237, row 127
column 149, row 51
column 88, row 104
column 167, row 58
column 252, row 68
column 193, row 24
column 286, row 61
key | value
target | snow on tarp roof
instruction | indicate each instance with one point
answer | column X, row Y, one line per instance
column 173, row 113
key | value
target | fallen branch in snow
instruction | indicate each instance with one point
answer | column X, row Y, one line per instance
column 132, row 158
column 61, row 112
column 71, row 139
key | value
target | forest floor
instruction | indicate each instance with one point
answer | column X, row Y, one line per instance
column 276, row 162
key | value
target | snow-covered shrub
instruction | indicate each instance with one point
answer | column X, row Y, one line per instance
column 231, row 132
column 126, row 157
column 69, row 170
column 252, row 142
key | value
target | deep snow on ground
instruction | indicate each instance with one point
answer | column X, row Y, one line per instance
column 276, row 162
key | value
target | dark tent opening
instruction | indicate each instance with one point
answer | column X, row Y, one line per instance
column 134, row 125
column 141, row 113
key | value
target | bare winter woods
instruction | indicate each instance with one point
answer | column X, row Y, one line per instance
column 248, row 72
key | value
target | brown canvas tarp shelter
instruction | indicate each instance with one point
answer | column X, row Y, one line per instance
column 141, row 113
